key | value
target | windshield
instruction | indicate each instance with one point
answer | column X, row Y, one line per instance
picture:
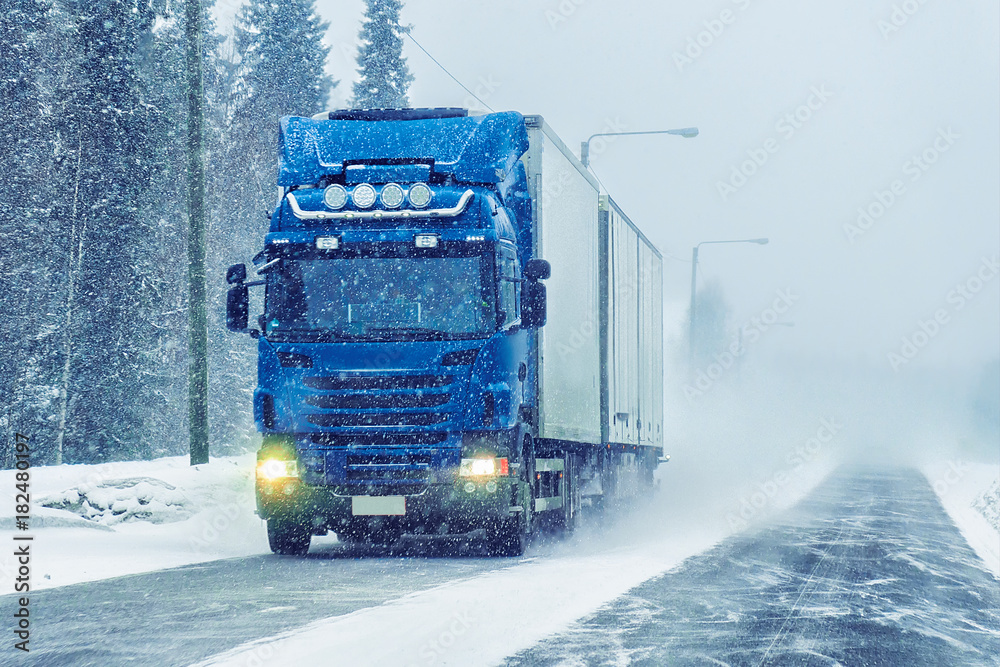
column 381, row 298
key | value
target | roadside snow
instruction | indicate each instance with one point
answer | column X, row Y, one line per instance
column 970, row 493
column 482, row 620
column 93, row 522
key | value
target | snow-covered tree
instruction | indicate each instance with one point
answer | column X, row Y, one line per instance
column 107, row 153
column 27, row 258
column 279, row 60
column 385, row 78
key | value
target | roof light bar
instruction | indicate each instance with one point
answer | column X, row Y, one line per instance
column 452, row 212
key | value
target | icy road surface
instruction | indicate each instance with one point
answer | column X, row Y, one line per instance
column 868, row 570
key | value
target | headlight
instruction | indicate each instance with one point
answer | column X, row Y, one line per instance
column 482, row 467
column 363, row 196
column 419, row 195
column 335, row 196
column 272, row 469
column 392, row 196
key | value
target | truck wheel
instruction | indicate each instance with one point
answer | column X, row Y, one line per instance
column 509, row 538
column 288, row 537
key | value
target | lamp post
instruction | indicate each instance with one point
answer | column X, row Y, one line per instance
column 694, row 281
column 686, row 132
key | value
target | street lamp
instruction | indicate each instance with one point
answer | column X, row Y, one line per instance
column 686, row 132
column 694, row 280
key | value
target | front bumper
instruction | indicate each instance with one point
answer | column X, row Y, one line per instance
column 458, row 506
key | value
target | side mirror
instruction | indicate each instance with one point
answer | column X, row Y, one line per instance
column 237, row 307
column 237, row 273
column 537, row 269
column 533, row 305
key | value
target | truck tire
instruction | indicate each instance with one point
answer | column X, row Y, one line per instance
column 509, row 538
column 288, row 537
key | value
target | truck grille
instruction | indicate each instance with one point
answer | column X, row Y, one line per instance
column 388, row 467
column 376, row 401
column 376, row 439
column 397, row 419
column 383, row 383
column 371, row 402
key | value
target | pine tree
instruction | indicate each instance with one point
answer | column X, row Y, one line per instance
column 385, row 78
column 279, row 66
column 29, row 259
column 162, row 264
column 107, row 156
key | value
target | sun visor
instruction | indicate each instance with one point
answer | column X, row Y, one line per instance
column 472, row 149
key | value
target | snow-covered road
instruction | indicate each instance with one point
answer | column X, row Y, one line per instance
column 868, row 569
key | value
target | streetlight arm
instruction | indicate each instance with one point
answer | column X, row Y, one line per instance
column 757, row 241
column 686, row 132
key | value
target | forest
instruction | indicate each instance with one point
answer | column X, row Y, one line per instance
column 94, row 211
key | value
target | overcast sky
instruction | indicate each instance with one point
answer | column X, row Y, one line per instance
column 869, row 86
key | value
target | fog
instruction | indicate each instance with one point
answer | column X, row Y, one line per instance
column 862, row 139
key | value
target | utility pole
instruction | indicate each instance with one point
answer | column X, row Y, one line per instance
column 694, row 302
column 197, row 324
column 694, row 279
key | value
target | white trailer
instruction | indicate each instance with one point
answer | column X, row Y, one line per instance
column 600, row 377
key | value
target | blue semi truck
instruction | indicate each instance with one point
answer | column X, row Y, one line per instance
column 459, row 334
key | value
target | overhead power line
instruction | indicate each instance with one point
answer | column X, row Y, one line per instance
column 445, row 70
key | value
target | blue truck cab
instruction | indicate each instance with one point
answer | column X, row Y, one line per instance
column 400, row 351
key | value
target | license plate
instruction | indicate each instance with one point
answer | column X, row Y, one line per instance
column 378, row 505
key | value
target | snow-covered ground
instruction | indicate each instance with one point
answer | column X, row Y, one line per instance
column 137, row 516
column 970, row 493
column 124, row 518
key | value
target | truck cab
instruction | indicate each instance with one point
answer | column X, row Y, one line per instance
column 393, row 352
column 405, row 380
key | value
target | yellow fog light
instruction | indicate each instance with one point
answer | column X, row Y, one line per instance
column 272, row 469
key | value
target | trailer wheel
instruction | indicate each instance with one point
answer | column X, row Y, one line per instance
column 288, row 537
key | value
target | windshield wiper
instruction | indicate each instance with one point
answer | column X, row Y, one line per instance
column 315, row 335
column 410, row 331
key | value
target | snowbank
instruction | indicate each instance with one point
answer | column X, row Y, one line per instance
column 97, row 521
column 970, row 493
